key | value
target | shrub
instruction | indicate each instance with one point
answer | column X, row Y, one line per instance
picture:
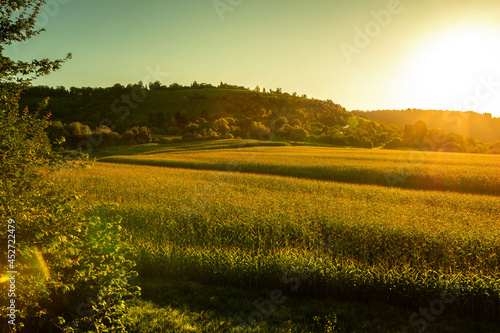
column 143, row 135
column 56, row 132
column 136, row 135
column 393, row 144
column 298, row 134
column 128, row 138
column 221, row 126
column 259, row 131
column 73, row 275
column 364, row 142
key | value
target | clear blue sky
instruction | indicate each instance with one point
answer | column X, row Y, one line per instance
column 440, row 54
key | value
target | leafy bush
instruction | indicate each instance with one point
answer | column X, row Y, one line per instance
column 259, row 131
column 72, row 270
column 72, row 273
column 136, row 135
column 394, row 143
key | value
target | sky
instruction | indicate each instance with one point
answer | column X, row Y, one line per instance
column 363, row 54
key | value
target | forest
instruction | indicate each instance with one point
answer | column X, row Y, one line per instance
column 133, row 114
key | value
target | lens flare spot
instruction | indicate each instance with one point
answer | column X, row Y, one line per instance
column 41, row 265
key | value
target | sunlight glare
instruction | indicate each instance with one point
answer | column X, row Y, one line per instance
column 450, row 67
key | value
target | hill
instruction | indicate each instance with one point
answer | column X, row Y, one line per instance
column 469, row 124
column 203, row 111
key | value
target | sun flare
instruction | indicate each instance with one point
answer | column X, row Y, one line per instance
column 448, row 70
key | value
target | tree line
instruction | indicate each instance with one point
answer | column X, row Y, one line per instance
column 202, row 111
column 418, row 136
column 483, row 127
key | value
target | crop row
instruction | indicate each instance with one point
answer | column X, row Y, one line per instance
column 356, row 242
column 464, row 173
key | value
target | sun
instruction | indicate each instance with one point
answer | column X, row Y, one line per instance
column 450, row 70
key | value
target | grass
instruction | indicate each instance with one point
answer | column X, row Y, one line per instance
column 352, row 242
column 155, row 148
column 406, row 169
column 350, row 256
column 181, row 306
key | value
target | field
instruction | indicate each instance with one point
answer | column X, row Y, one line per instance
column 406, row 169
column 311, row 223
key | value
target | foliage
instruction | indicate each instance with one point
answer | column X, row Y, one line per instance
column 17, row 24
column 393, row 144
column 136, row 135
column 287, row 117
column 60, row 263
column 419, row 137
column 58, row 250
column 178, row 111
column 480, row 126
column 102, row 283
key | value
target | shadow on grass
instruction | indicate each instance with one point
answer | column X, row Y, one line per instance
column 155, row 148
column 182, row 306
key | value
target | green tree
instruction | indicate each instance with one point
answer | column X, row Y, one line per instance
column 279, row 124
column 18, row 18
column 221, row 126
column 181, row 118
column 298, row 134
column 409, row 135
column 144, row 135
column 57, row 133
column 393, row 144
column 72, row 272
column 259, row 131
column 420, row 129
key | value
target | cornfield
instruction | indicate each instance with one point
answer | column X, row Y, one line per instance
column 353, row 241
column 469, row 173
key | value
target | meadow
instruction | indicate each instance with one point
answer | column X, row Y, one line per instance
column 306, row 236
column 470, row 173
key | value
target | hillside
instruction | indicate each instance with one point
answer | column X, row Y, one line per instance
column 129, row 115
column 469, row 124
column 202, row 111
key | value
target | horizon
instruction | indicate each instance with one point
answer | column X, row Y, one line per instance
column 266, row 92
column 371, row 55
